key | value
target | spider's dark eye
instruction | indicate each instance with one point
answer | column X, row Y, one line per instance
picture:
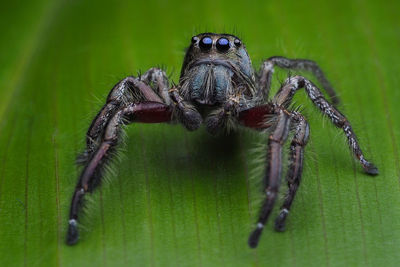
column 237, row 42
column 206, row 43
column 223, row 44
column 195, row 39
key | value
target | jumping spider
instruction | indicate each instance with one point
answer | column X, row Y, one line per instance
column 217, row 88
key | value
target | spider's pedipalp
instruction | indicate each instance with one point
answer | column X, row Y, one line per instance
column 185, row 112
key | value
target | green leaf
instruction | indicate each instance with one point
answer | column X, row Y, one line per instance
column 188, row 199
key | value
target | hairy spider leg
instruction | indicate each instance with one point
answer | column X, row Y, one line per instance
column 257, row 118
column 293, row 177
column 267, row 70
column 149, row 112
column 284, row 98
column 128, row 90
column 146, row 99
column 130, row 99
column 273, row 172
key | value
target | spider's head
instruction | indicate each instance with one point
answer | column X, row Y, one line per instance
column 216, row 67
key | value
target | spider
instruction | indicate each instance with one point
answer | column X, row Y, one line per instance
column 218, row 88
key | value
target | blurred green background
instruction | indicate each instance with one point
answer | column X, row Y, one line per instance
column 187, row 199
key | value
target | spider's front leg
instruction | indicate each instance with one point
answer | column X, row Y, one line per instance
column 255, row 118
column 262, row 117
column 267, row 70
column 130, row 89
column 131, row 100
column 146, row 99
column 150, row 112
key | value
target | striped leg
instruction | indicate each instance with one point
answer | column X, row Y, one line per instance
column 273, row 173
column 267, row 69
column 151, row 112
column 284, row 98
column 295, row 167
column 128, row 90
column 133, row 99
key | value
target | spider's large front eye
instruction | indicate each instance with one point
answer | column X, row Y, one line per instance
column 206, row 43
column 223, row 44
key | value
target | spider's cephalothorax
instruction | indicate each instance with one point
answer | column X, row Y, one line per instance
column 217, row 88
column 216, row 66
column 216, row 75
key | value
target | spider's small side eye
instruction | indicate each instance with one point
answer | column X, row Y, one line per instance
column 237, row 42
column 195, row 39
column 223, row 44
column 206, row 43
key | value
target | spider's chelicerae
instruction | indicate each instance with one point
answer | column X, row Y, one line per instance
column 217, row 88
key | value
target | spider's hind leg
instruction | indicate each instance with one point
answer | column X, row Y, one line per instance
column 295, row 170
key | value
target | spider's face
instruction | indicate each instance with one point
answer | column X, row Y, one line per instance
column 216, row 67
